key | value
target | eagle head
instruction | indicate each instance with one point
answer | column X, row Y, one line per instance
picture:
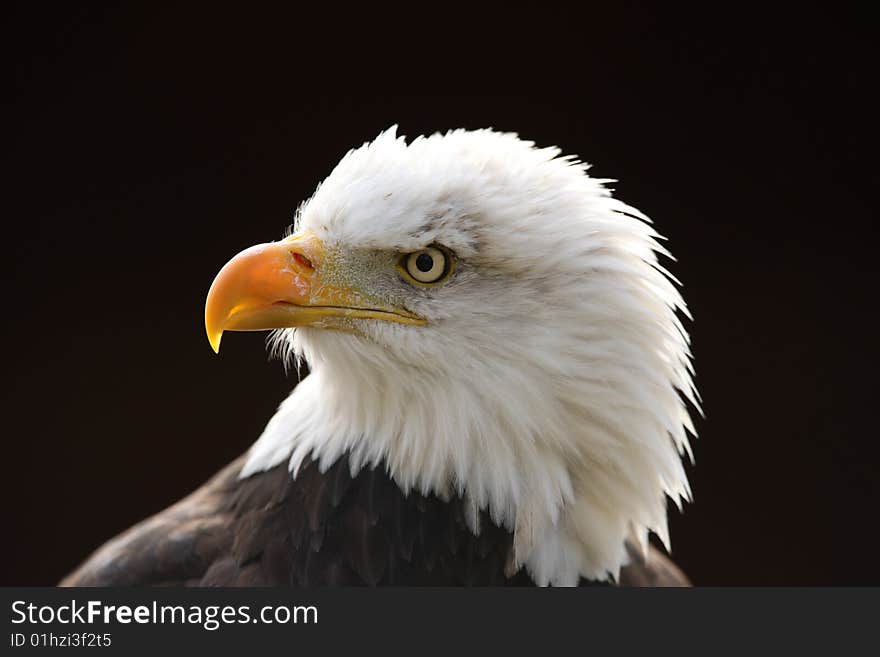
column 484, row 320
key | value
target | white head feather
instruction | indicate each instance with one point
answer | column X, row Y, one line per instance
column 547, row 385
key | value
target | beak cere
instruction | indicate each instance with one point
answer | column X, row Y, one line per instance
column 278, row 285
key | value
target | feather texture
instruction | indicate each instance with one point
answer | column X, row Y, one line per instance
column 320, row 529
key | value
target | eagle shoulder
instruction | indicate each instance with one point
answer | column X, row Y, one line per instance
column 319, row 529
column 175, row 546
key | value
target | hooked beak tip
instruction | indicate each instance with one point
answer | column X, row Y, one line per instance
column 214, row 338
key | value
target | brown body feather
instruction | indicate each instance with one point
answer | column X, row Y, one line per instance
column 320, row 529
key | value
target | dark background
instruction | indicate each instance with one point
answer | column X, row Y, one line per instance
column 144, row 147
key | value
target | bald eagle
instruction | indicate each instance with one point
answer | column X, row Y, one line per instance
column 498, row 392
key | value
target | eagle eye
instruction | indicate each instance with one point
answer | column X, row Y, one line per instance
column 429, row 266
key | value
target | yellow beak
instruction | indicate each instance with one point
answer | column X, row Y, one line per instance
column 279, row 285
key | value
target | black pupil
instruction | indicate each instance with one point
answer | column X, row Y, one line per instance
column 424, row 262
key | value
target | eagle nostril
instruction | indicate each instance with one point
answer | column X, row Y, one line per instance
column 302, row 261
